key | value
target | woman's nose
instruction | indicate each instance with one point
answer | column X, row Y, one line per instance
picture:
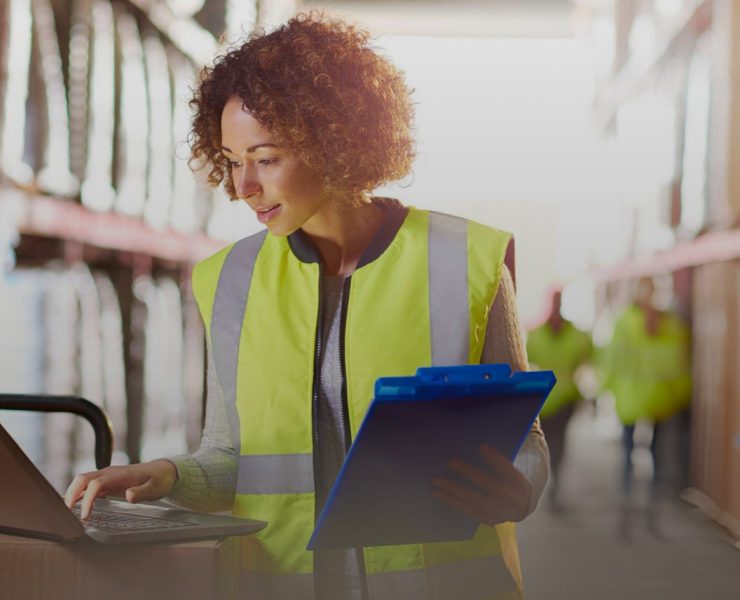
column 247, row 185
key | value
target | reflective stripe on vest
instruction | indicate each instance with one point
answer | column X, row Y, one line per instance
column 227, row 318
column 453, row 581
column 430, row 292
column 449, row 315
column 275, row 474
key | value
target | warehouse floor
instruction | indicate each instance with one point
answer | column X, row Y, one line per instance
column 588, row 550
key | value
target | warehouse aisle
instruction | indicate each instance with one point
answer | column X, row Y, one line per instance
column 584, row 554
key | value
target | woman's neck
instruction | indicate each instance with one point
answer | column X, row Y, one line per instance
column 652, row 317
column 342, row 233
column 556, row 322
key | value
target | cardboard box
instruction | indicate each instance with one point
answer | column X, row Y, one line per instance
column 40, row 570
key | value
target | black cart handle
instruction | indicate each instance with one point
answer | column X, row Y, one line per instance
column 69, row 404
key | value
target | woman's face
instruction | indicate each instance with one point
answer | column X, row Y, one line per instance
column 283, row 192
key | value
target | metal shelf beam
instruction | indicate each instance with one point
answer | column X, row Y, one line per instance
column 64, row 219
column 715, row 246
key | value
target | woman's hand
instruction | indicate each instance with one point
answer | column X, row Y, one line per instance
column 145, row 481
column 495, row 494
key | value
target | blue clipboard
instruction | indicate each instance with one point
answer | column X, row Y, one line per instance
column 413, row 427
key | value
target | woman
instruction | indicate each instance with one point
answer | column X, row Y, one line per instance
column 341, row 288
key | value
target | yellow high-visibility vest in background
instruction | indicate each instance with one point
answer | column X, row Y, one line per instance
column 649, row 375
column 562, row 352
column 424, row 301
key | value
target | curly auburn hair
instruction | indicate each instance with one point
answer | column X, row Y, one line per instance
column 316, row 84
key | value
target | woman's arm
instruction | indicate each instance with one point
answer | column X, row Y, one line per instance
column 499, row 491
column 206, row 480
column 504, row 344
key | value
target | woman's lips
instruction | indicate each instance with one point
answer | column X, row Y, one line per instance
column 264, row 215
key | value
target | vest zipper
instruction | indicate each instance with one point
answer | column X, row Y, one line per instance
column 318, row 351
column 347, row 431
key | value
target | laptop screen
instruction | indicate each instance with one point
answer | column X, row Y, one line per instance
column 29, row 504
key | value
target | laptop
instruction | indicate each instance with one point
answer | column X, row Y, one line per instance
column 31, row 507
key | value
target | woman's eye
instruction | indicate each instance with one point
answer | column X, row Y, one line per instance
column 268, row 161
column 234, row 164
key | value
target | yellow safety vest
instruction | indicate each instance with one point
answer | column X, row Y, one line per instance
column 563, row 352
column 649, row 375
column 424, row 301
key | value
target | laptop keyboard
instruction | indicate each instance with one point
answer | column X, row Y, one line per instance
column 113, row 521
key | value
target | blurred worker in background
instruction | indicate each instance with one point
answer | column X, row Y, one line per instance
column 648, row 369
column 558, row 345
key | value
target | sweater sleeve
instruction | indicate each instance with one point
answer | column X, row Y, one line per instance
column 206, row 480
column 504, row 344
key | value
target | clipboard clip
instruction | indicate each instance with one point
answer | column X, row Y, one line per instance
column 466, row 379
column 464, row 374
